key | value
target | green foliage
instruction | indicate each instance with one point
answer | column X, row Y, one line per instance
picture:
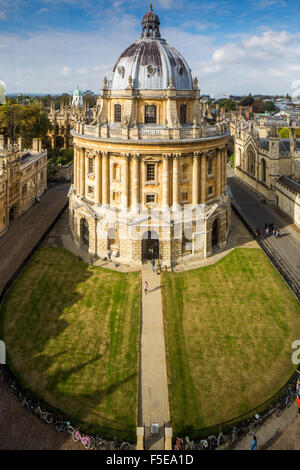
column 258, row 106
column 229, row 105
column 247, row 101
column 284, row 133
column 232, row 160
column 62, row 156
column 29, row 122
column 270, row 106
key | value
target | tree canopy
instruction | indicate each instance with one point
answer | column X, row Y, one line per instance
column 29, row 122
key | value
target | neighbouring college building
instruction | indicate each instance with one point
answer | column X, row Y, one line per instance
column 150, row 165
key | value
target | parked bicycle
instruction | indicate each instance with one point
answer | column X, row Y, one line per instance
column 87, row 441
column 44, row 415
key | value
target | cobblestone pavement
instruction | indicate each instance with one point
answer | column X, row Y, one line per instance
column 24, row 233
column 20, row 430
column 287, row 246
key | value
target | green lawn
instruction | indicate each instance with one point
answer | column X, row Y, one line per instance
column 229, row 329
column 72, row 335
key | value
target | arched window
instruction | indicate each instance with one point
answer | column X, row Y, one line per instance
column 85, row 233
column 251, row 162
column 116, row 172
column 185, row 172
column 118, row 113
column 183, row 114
column 263, row 170
column 150, row 114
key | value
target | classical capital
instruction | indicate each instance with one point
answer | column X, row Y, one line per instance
column 166, row 156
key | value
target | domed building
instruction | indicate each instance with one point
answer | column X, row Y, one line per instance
column 150, row 166
column 77, row 98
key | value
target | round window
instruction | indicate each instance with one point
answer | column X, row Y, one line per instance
column 151, row 69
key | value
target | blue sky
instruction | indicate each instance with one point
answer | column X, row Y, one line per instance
column 232, row 46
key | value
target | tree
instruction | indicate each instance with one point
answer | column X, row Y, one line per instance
column 284, row 133
column 247, row 101
column 270, row 106
column 10, row 121
column 258, row 106
column 26, row 121
column 34, row 123
column 229, row 105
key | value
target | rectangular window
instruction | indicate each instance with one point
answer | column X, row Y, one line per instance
column 150, row 176
column 91, row 191
column 118, row 113
column 91, row 166
column 183, row 114
column 116, row 196
column 150, row 114
column 184, row 197
column 210, row 190
column 210, row 166
column 150, row 198
column 24, row 189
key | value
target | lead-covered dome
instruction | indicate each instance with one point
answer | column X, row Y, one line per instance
column 150, row 62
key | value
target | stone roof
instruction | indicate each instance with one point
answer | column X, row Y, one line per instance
column 289, row 183
column 150, row 63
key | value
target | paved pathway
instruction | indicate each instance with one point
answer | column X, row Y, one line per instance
column 288, row 245
column 272, row 427
column 24, row 233
column 154, row 398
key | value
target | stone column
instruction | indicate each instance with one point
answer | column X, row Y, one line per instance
column 219, row 175
column 225, row 170
column 86, row 163
column 105, row 179
column 82, row 173
column 195, row 199
column 203, row 177
column 166, row 192
column 135, row 195
column 98, row 175
column 75, row 167
column 78, row 170
column 125, row 166
column 176, row 179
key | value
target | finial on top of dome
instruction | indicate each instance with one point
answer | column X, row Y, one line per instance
column 150, row 24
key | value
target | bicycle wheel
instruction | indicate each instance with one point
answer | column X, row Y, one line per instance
column 75, row 436
column 125, row 446
column 59, row 425
column 49, row 418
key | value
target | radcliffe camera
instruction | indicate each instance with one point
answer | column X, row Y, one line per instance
column 150, row 228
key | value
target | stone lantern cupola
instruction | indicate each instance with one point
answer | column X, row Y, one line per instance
column 150, row 24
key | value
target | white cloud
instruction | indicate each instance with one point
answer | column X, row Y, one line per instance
column 42, row 10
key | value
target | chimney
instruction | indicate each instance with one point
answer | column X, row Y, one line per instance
column 36, row 145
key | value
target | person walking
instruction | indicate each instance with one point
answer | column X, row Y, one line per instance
column 253, row 445
column 146, row 287
column 258, row 232
column 298, row 402
column 153, row 265
column 109, row 255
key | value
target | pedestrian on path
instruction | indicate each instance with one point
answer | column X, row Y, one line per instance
column 258, row 232
column 298, row 403
column 146, row 287
column 253, row 445
column 109, row 255
column 153, row 265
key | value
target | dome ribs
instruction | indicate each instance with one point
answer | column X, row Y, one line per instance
column 150, row 55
